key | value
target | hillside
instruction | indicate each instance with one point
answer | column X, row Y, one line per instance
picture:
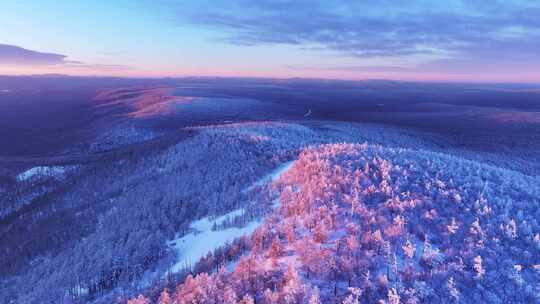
column 161, row 172
column 359, row 223
column 270, row 152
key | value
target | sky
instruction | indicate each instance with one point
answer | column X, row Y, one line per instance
column 453, row 40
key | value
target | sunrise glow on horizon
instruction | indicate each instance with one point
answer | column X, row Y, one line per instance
column 457, row 40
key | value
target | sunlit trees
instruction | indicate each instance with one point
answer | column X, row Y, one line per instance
column 409, row 249
column 139, row 300
column 321, row 232
column 293, row 289
column 393, row 296
column 245, row 275
column 353, row 297
column 229, row 295
column 315, row 297
column 247, row 299
column 164, row 297
column 198, row 289
column 400, row 230
column 276, row 249
column 271, row 297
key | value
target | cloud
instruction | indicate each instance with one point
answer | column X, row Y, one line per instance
column 456, row 29
column 18, row 56
column 14, row 55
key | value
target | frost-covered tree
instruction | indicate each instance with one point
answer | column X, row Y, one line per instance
column 164, row 297
column 409, row 249
column 478, row 267
column 353, row 297
column 452, row 290
column 315, row 297
column 405, row 240
column 139, row 300
column 393, row 296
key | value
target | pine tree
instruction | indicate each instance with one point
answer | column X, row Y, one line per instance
column 409, row 249
column 452, row 227
column 314, row 299
column 293, row 289
column 164, row 298
column 393, row 296
column 271, row 297
column 353, row 297
column 320, row 234
column 139, row 300
column 452, row 290
column 511, row 229
column 247, row 299
column 276, row 250
column 478, row 268
column 229, row 296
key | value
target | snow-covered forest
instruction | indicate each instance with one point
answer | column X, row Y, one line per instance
column 275, row 212
column 358, row 223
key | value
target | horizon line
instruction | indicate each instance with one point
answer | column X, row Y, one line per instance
column 179, row 77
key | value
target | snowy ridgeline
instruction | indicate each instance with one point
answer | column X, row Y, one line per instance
column 58, row 172
column 195, row 245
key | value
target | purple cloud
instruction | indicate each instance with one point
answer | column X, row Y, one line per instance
column 14, row 55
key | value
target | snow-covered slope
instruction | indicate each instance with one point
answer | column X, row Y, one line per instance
column 207, row 236
column 368, row 224
column 136, row 223
column 204, row 239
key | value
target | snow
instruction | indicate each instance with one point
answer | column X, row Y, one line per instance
column 81, row 291
column 36, row 172
column 274, row 175
column 206, row 223
column 197, row 244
